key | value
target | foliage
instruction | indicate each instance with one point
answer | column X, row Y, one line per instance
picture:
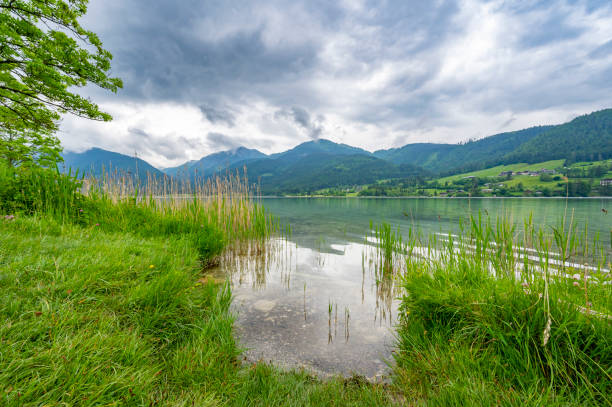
column 29, row 148
column 32, row 190
column 44, row 55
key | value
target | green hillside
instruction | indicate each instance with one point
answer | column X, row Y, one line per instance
column 495, row 171
column 586, row 138
column 321, row 170
column 324, row 165
column 441, row 158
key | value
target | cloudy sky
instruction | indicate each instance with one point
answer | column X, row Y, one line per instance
column 203, row 76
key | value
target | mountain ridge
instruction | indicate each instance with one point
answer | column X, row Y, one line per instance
column 323, row 163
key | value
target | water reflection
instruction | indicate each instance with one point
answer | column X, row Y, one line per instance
column 331, row 312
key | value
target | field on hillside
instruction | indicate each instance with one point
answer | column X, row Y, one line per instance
column 495, row 171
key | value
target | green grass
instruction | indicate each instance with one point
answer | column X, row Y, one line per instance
column 495, row 171
column 473, row 332
column 113, row 318
column 105, row 302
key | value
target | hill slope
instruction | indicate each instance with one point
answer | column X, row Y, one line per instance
column 216, row 162
column 473, row 155
column 586, row 138
column 321, row 164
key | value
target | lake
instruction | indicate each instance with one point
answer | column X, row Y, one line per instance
column 312, row 300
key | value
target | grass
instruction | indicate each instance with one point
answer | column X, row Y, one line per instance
column 495, row 171
column 483, row 324
column 104, row 303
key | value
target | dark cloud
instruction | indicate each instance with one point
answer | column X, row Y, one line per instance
column 216, row 115
column 171, row 148
column 222, row 141
column 174, row 50
column 382, row 71
column 302, row 118
column 507, row 123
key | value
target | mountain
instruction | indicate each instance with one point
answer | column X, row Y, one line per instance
column 97, row 161
column 215, row 163
column 320, row 164
column 586, row 138
column 442, row 158
column 321, row 146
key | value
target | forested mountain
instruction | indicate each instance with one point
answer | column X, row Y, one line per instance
column 310, row 172
column 586, row 138
column 97, row 161
column 444, row 158
column 320, row 146
column 216, row 162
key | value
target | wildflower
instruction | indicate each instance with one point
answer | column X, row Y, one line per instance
column 576, row 276
column 9, row 217
column 576, row 284
column 525, row 284
column 80, row 210
column 151, row 266
column 97, row 224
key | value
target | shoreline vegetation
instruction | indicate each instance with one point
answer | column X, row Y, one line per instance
column 432, row 197
column 106, row 302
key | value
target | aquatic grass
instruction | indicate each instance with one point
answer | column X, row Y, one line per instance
column 497, row 317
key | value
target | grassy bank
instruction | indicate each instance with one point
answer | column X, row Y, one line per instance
column 496, row 317
column 103, row 302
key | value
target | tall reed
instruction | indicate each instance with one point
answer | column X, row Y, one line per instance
column 226, row 202
column 530, row 308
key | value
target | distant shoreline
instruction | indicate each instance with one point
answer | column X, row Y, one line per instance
column 430, row 197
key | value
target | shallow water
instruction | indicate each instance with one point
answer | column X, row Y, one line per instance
column 282, row 299
column 283, row 289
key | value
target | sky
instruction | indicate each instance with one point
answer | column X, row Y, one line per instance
column 205, row 76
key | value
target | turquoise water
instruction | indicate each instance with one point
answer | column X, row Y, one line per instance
column 319, row 222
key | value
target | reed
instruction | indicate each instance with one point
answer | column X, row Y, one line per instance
column 225, row 202
column 495, row 315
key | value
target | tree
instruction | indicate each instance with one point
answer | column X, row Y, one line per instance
column 28, row 147
column 44, row 55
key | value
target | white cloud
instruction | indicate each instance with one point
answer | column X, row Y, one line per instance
column 380, row 77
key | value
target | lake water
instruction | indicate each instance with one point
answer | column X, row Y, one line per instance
column 313, row 300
